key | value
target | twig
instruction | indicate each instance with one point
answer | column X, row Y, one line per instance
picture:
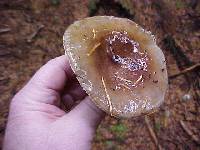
column 108, row 97
column 34, row 34
column 5, row 30
column 193, row 67
column 178, row 54
column 189, row 132
column 5, row 53
column 152, row 133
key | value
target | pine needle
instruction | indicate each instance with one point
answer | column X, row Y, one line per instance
column 108, row 97
column 94, row 33
column 138, row 80
column 93, row 49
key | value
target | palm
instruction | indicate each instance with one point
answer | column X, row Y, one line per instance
column 36, row 120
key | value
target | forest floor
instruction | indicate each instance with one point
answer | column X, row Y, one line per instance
column 31, row 34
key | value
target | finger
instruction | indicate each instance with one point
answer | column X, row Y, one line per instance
column 76, row 91
column 53, row 75
column 73, row 93
column 87, row 112
column 68, row 102
column 48, row 81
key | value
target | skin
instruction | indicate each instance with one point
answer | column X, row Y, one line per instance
column 37, row 122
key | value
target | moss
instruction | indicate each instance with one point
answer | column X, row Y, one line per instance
column 98, row 136
column 119, row 130
column 180, row 4
column 92, row 6
column 55, row 2
column 157, row 126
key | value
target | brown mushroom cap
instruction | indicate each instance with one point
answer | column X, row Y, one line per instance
column 118, row 64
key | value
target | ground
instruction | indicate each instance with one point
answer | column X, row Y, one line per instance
column 31, row 33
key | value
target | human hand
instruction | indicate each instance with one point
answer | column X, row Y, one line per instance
column 35, row 120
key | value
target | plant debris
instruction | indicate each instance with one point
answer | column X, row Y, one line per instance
column 189, row 132
column 192, row 68
column 152, row 133
column 175, row 29
column 34, row 34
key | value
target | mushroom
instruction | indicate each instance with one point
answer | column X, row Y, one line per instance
column 118, row 64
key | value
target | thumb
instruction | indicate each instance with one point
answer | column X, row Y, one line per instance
column 88, row 112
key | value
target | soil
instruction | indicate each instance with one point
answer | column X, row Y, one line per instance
column 31, row 34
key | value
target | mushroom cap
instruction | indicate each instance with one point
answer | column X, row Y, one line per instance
column 130, row 86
